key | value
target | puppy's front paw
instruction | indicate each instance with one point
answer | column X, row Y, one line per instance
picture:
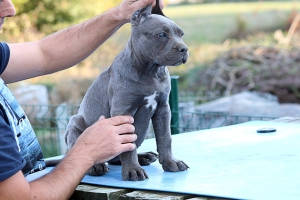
column 173, row 165
column 133, row 173
column 98, row 170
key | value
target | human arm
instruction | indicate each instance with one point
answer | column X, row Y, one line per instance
column 69, row 46
column 99, row 143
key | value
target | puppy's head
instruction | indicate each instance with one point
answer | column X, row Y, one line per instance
column 157, row 38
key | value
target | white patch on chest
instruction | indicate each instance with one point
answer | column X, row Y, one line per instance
column 151, row 102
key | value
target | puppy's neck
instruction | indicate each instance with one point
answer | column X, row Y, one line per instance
column 143, row 63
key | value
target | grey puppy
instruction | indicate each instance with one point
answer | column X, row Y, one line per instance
column 137, row 84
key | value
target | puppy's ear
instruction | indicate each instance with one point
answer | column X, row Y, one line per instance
column 139, row 16
column 157, row 10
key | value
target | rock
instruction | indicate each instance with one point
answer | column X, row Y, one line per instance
column 244, row 103
column 242, row 107
column 34, row 99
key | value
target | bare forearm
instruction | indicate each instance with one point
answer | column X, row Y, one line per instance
column 58, row 184
column 99, row 143
column 68, row 47
column 62, row 181
column 62, row 49
column 74, row 44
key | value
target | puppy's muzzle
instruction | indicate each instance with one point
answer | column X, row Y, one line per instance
column 184, row 52
column 183, row 49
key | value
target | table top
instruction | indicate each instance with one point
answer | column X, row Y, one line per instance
column 230, row 162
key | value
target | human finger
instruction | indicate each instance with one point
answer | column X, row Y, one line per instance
column 143, row 3
column 128, row 7
column 101, row 117
column 128, row 138
column 118, row 120
column 125, row 129
column 128, row 147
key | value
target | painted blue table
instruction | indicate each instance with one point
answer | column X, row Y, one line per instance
column 231, row 162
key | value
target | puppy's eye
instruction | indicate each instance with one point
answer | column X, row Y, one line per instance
column 162, row 34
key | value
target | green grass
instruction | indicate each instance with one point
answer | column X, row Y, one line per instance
column 191, row 11
column 213, row 23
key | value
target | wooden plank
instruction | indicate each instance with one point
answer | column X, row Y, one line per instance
column 89, row 192
column 151, row 195
column 206, row 198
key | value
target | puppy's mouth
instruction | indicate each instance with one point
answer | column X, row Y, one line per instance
column 179, row 62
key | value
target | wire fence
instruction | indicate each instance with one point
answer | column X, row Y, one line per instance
column 50, row 121
column 193, row 121
column 198, row 97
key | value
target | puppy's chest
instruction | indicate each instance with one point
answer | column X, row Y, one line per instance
column 151, row 101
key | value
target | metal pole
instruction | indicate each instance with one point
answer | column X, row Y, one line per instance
column 173, row 101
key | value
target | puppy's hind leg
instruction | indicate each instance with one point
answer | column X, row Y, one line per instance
column 74, row 129
column 98, row 170
column 144, row 158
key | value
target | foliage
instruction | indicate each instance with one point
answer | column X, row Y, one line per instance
column 265, row 68
column 37, row 18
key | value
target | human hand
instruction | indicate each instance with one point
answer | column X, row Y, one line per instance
column 106, row 139
column 128, row 7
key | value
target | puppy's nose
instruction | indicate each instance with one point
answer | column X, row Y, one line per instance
column 183, row 49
